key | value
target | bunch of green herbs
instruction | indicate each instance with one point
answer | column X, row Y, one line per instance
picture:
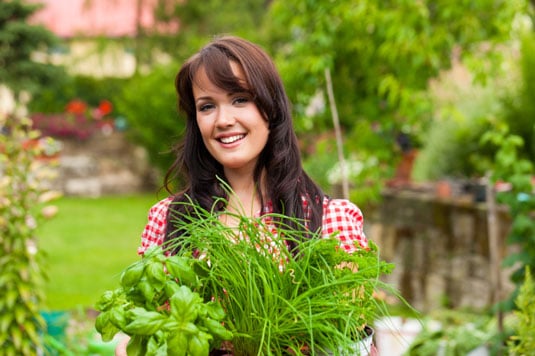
column 314, row 299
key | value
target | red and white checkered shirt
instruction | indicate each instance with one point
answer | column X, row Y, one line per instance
column 339, row 216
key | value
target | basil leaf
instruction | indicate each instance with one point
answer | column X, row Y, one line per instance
column 185, row 304
column 132, row 274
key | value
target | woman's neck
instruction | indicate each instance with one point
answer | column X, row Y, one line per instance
column 245, row 195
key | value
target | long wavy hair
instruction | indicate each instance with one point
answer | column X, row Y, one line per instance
column 289, row 189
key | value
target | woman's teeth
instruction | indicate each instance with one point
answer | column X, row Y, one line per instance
column 231, row 139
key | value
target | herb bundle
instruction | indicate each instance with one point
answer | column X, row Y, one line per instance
column 244, row 286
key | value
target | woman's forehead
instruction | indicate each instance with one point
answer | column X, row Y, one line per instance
column 222, row 77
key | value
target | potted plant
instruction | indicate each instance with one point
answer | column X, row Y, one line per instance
column 242, row 290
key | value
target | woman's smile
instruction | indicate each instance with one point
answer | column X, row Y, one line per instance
column 231, row 139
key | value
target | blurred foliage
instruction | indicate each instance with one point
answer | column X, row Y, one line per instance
column 381, row 55
column 463, row 112
column 19, row 41
column 22, row 196
column 451, row 332
column 523, row 341
column 513, row 163
column 55, row 97
column 520, row 104
column 510, row 166
column 198, row 23
column 148, row 101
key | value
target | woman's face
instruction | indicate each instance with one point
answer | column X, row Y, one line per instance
column 232, row 128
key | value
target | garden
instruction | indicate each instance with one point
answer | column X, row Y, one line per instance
column 426, row 98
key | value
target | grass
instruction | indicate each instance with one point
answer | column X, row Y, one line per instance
column 87, row 245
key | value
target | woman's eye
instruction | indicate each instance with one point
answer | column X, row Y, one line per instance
column 240, row 100
column 205, row 107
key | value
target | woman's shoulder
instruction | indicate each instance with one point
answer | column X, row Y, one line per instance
column 154, row 231
column 344, row 218
column 341, row 206
column 161, row 206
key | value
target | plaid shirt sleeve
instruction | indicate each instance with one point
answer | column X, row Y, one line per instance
column 344, row 217
column 154, row 231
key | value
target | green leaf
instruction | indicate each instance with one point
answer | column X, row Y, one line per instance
column 156, row 347
column 147, row 290
column 215, row 310
column 185, row 304
column 171, row 287
column 217, row 329
column 178, row 267
column 20, row 313
column 132, row 274
column 177, row 344
column 104, row 326
column 199, row 344
column 11, row 298
column 16, row 337
column 105, row 301
column 136, row 346
column 143, row 322
column 117, row 317
column 155, row 273
column 5, row 322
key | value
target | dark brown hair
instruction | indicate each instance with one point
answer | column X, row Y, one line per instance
column 289, row 189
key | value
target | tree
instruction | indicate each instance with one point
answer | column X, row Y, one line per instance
column 381, row 55
column 19, row 42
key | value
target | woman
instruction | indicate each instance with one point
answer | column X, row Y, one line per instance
column 239, row 132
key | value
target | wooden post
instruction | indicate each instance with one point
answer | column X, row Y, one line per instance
column 338, row 133
column 494, row 248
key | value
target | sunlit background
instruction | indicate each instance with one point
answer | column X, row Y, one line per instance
column 436, row 110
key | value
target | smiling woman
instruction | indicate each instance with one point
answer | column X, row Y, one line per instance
column 240, row 160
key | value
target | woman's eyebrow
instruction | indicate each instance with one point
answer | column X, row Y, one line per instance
column 203, row 98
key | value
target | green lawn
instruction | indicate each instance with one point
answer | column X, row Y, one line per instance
column 88, row 244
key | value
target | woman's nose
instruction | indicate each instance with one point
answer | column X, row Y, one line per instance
column 225, row 117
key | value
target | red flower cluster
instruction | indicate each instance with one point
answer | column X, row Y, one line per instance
column 76, row 106
column 78, row 121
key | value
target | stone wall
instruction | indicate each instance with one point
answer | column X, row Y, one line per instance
column 103, row 164
column 440, row 248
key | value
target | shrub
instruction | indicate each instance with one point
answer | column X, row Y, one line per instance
column 149, row 104
column 22, row 195
column 523, row 342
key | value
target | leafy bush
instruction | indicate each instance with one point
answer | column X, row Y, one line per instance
column 54, row 98
column 519, row 104
column 149, row 104
column 464, row 111
column 453, row 332
column 22, row 195
column 523, row 342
